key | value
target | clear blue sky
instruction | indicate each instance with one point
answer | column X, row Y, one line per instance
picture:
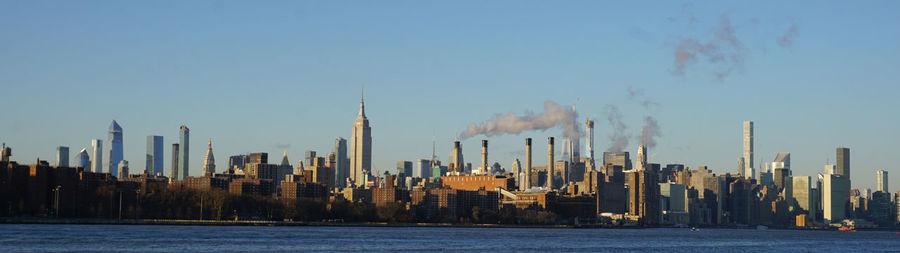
column 256, row 76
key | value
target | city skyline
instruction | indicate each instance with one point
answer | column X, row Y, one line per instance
column 407, row 74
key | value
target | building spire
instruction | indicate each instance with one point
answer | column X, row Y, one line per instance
column 362, row 103
column 209, row 162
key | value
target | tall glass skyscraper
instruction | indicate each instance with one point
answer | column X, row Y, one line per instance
column 175, row 151
column 342, row 163
column 96, row 156
column 84, row 160
column 62, row 156
column 747, row 170
column 114, row 144
column 154, row 163
column 183, row 158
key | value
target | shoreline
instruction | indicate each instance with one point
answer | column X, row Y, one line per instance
column 151, row 222
column 257, row 223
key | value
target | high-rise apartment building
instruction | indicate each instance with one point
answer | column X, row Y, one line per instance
column 881, row 178
column 96, row 156
column 175, row 172
column 154, row 164
column 114, row 143
column 360, row 146
column 747, row 171
column 62, row 156
column 183, row 153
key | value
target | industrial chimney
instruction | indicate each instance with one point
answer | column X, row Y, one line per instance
column 590, row 147
column 457, row 164
column 527, row 163
column 484, row 160
column 550, row 163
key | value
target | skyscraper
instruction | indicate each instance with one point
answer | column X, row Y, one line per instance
column 96, row 156
column 175, row 171
column 122, row 169
column 115, row 148
column 802, row 193
column 209, row 162
column 183, row 153
column 5, row 153
column 881, row 178
column 641, row 157
column 84, row 160
column 405, row 167
column 154, row 164
column 361, row 145
column 423, row 168
column 62, row 156
column 843, row 162
column 310, row 158
column 747, row 171
column 342, row 163
column 835, row 195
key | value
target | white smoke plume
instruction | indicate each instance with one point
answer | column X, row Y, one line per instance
column 619, row 138
column 510, row 123
column 649, row 132
column 724, row 52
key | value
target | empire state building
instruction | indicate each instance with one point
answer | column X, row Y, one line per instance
column 361, row 146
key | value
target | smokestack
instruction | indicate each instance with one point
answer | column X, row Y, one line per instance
column 484, row 161
column 590, row 147
column 550, row 163
column 527, row 163
column 457, row 163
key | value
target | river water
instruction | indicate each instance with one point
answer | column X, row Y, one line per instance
column 156, row 238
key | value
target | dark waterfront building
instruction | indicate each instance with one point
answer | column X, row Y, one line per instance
column 206, row 183
column 300, row 189
column 259, row 187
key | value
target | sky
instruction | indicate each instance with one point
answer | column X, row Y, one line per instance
column 286, row 76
